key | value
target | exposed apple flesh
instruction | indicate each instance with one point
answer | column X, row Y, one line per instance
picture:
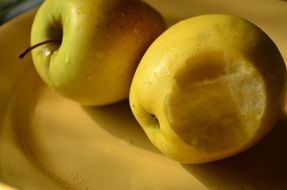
column 208, row 88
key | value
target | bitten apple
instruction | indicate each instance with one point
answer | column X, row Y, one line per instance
column 209, row 87
column 91, row 48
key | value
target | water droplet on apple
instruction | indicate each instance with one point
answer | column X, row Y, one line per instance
column 88, row 76
column 67, row 59
column 100, row 55
column 67, row 19
column 79, row 11
column 148, row 84
column 136, row 31
column 47, row 52
column 123, row 14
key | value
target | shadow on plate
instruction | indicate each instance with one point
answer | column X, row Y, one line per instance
column 262, row 167
column 122, row 125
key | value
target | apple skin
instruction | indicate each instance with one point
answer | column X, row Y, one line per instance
column 177, row 90
column 102, row 42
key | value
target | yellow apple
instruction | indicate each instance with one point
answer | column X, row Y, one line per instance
column 209, row 87
column 92, row 47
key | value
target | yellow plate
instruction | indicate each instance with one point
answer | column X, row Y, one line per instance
column 49, row 142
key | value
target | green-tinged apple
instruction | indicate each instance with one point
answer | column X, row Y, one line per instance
column 208, row 88
column 89, row 49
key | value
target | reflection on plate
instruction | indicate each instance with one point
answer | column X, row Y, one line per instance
column 49, row 142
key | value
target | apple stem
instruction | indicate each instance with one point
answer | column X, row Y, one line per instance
column 23, row 54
